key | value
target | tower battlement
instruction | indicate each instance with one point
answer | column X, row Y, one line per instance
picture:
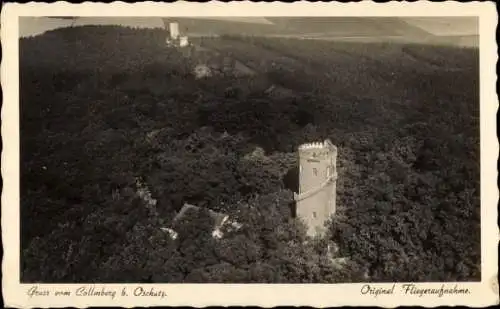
column 317, row 184
column 318, row 150
column 326, row 144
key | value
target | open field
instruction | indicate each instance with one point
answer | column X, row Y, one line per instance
column 102, row 106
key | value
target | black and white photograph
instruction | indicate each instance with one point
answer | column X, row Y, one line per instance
column 250, row 150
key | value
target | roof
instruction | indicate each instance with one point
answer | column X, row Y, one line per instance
column 220, row 220
column 218, row 217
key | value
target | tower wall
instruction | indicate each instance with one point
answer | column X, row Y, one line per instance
column 174, row 30
column 317, row 185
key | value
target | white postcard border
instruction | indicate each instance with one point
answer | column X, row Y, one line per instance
column 482, row 293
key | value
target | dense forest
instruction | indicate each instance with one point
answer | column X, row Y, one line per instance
column 102, row 107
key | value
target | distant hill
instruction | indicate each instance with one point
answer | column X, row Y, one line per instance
column 455, row 31
column 334, row 26
column 31, row 26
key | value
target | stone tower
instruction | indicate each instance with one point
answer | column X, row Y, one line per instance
column 317, row 185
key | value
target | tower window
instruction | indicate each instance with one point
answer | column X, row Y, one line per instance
column 315, row 171
column 314, row 215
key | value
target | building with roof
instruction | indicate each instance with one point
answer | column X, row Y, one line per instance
column 221, row 221
column 174, row 37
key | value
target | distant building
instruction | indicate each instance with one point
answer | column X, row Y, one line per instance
column 173, row 29
column 173, row 36
column 32, row 26
column 317, row 185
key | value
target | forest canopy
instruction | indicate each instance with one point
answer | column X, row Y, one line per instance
column 103, row 106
